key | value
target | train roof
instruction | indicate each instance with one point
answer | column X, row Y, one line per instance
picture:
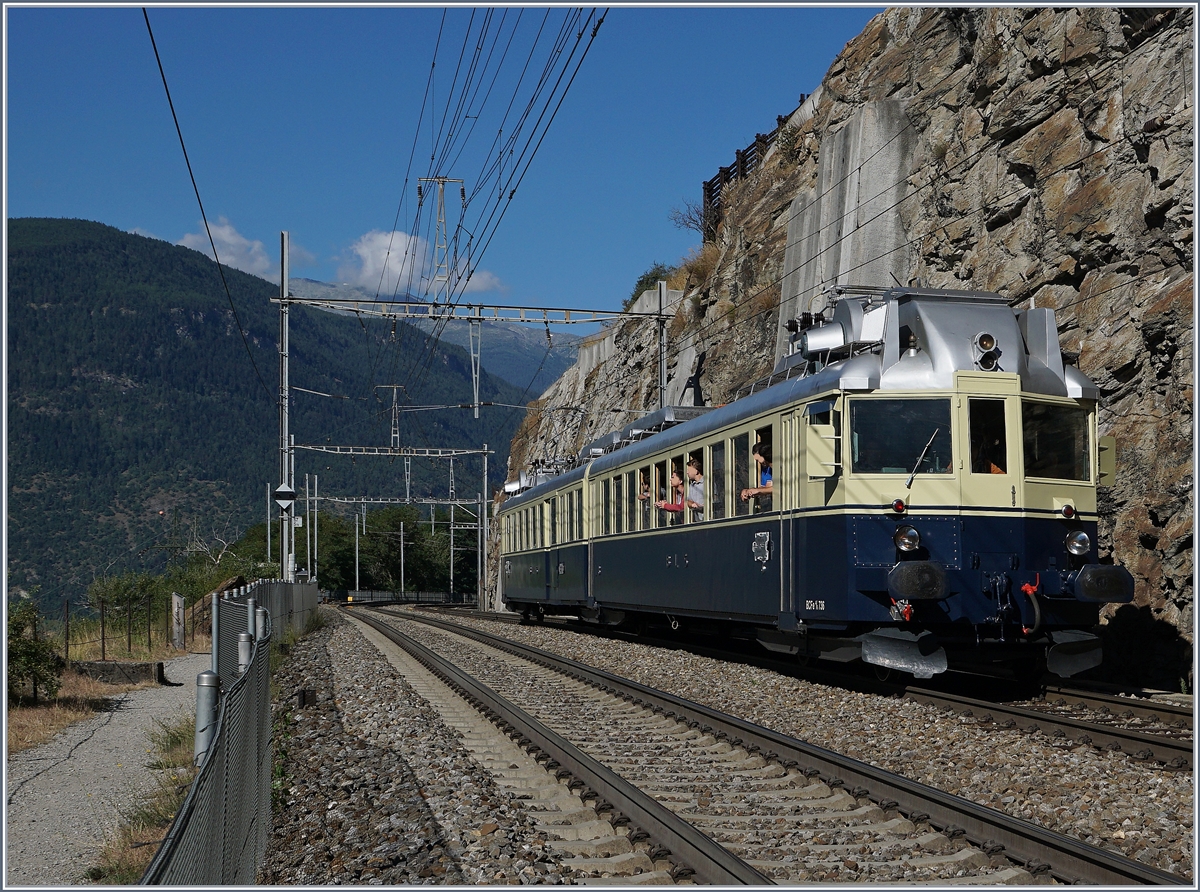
column 903, row 339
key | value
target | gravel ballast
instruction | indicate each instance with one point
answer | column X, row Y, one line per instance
column 1105, row 799
column 374, row 788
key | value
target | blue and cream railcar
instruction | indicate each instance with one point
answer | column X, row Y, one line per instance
column 932, row 504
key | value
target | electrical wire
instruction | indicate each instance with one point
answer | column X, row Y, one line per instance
column 203, row 216
column 979, row 211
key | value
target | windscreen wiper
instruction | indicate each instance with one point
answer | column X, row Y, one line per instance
column 921, row 458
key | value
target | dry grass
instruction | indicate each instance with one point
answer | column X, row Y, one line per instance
column 85, row 640
column 678, row 323
column 128, row 853
column 79, row 698
column 700, row 264
column 725, row 312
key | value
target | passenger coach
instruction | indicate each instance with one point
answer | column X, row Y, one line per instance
column 932, row 503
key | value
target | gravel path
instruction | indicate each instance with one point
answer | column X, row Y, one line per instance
column 64, row 798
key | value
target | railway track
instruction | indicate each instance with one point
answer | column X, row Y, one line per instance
column 1172, row 750
column 1154, row 731
column 738, row 803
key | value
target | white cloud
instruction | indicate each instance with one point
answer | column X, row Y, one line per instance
column 396, row 262
column 482, row 280
column 235, row 249
column 384, row 261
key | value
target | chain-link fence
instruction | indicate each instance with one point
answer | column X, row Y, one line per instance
column 219, row 835
column 376, row 597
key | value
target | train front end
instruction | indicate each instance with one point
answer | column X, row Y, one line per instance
column 966, row 475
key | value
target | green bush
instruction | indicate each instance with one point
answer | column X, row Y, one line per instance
column 649, row 279
column 31, row 661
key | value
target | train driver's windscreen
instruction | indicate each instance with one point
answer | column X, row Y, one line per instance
column 1056, row 441
column 896, row 436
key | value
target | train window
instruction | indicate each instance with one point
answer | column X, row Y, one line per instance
column 539, row 527
column 554, row 521
column 694, row 485
column 741, row 474
column 897, row 436
column 579, row 512
column 764, row 472
column 618, row 505
column 631, row 502
column 606, row 507
column 715, row 480
column 1056, row 441
column 660, row 492
column 989, row 445
column 571, row 516
column 645, row 497
column 677, row 490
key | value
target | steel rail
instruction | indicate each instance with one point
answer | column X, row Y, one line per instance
column 1162, row 710
column 1068, row 860
column 711, row 862
column 1141, row 745
column 1174, row 752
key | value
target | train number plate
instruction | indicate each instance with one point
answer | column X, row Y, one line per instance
column 814, row 605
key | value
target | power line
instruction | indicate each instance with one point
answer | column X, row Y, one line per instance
column 746, row 320
column 203, row 216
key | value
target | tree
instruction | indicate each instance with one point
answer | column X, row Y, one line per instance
column 31, row 661
column 648, row 280
column 692, row 216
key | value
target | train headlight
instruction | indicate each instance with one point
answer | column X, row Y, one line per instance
column 907, row 538
column 985, row 342
column 1078, row 542
column 987, row 357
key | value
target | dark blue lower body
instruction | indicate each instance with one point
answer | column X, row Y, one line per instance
column 976, row 582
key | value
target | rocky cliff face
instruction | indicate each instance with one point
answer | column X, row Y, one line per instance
column 1047, row 157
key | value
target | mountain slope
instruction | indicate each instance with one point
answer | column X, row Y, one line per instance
column 130, row 392
column 507, row 348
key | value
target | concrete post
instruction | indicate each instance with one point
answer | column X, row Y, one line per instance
column 208, row 690
column 260, row 621
column 245, row 648
column 250, row 620
column 179, row 629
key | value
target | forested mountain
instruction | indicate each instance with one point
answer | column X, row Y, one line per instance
column 137, row 415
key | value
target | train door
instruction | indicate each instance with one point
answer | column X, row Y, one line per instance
column 788, row 477
column 553, row 556
column 989, row 463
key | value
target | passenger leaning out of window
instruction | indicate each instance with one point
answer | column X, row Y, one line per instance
column 695, row 494
column 762, row 455
column 676, row 503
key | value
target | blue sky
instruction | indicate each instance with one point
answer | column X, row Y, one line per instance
column 305, row 119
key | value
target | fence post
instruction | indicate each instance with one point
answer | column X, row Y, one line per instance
column 34, row 673
column 208, row 689
column 260, row 624
column 216, row 668
column 178, row 622
column 102, row 654
column 250, row 618
column 244, row 650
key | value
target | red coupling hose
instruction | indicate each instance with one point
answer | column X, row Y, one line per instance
column 1031, row 592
